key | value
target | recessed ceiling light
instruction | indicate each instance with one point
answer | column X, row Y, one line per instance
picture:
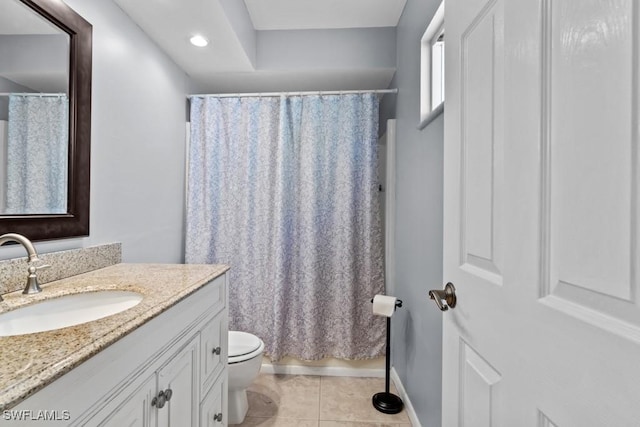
column 199, row 40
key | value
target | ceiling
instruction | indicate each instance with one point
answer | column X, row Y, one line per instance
column 323, row 14
column 275, row 45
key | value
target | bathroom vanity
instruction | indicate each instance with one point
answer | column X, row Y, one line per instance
column 161, row 363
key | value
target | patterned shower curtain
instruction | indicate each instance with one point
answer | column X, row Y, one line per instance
column 284, row 189
column 37, row 147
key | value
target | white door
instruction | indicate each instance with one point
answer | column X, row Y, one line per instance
column 542, row 213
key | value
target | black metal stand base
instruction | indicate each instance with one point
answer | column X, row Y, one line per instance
column 387, row 403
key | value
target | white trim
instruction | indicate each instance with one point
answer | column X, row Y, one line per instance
column 390, row 210
column 4, row 135
column 326, row 371
column 413, row 417
column 187, row 148
column 434, row 27
column 431, row 116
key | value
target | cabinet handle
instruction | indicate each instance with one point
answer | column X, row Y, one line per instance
column 217, row 417
column 159, row 401
column 217, row 351
column 162, row 398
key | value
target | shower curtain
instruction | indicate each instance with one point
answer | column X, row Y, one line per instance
column 37, row 147
column 284, row 189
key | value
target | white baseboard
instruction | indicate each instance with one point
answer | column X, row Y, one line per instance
column 413, row 417
column 329, row 371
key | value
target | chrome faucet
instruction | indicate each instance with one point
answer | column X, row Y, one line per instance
column 32, row 286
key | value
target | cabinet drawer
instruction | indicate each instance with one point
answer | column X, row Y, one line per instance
column 214, row 406
column 213, row 347
column 215, row 294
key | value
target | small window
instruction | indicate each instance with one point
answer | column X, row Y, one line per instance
column 432, row 69
column 437, row 70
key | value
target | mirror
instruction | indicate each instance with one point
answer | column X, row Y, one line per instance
column 45, row 119
column 34, row 112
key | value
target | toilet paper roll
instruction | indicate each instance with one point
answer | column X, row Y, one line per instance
column 384, row 305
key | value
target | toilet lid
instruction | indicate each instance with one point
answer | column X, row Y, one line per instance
column 241, row 343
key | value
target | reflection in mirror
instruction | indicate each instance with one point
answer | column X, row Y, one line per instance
column 36, row 159
column 60, row 83
column 34, row 112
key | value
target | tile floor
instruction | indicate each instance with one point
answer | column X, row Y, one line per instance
column 314, row 401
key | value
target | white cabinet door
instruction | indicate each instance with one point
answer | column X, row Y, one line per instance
column 213, row 411
column 135, row 410
column 541, row 213
column 180, row 377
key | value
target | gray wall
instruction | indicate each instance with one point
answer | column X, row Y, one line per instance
column 417, row 326
column 7, row 86
column 357, row 48
column 44, row 69
column 138, row 140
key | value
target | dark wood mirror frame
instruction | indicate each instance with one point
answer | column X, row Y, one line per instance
column 75, row 222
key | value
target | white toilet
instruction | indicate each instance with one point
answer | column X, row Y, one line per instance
column 245, row 359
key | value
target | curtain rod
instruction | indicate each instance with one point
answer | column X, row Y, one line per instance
column 32, row 94
column 270, row 94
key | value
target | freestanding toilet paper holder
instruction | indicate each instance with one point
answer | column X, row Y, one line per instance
column 386, row 401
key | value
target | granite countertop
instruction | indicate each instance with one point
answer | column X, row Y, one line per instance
column 31, row 361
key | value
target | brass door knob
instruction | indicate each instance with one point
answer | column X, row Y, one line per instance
column 444, row 298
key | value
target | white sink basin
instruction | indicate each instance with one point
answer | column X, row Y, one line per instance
column 64, row 311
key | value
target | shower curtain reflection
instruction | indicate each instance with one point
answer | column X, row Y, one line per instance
column 37, row 154
column 284, row 189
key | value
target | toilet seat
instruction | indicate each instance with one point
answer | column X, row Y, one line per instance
column 243, row 346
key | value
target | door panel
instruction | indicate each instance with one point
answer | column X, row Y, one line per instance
column 541, row 213
column 481, row 139
column 478, row 393
column 590, row 161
